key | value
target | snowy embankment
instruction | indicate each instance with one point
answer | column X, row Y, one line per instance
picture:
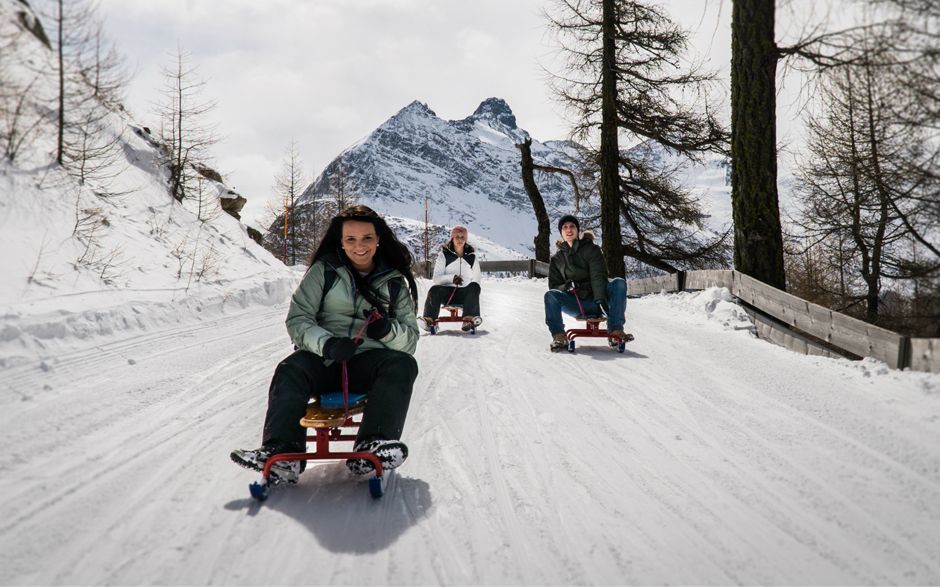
column 80, row 269
column 700, row 456
column 82, row 319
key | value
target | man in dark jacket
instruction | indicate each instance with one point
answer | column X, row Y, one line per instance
column 578, row 285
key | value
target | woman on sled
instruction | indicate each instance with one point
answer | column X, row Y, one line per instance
column 456, row 280
column 356, row 304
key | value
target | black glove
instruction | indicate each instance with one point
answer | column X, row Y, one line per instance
column 379, row 327
column 458, row 280
column 339, row 348
column 602, row 306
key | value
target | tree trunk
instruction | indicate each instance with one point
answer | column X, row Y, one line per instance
column 60, row 146
column 612, row 245
column 542, row 239
column 758, row 243
column 178, row 187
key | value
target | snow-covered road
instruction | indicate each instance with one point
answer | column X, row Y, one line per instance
column 700, row 456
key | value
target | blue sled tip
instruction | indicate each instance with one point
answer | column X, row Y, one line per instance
column 259, row 490
column 376, row 488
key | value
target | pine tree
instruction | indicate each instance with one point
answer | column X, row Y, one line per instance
column 621, row 81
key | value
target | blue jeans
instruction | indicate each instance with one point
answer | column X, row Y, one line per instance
column 557, row 302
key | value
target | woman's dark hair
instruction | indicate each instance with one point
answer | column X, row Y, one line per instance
column 392, row 252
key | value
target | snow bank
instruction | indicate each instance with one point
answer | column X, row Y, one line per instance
column 716, row 304
column 26, row 336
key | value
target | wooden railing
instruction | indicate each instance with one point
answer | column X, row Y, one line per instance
column 532, row 267
column 801, row 325
column 779, row 317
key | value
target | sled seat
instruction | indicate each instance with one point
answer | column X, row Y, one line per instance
column 591, row 320
column 455, row 312
column 329, row 413
column 592, row 328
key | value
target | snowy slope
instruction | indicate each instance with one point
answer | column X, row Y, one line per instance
column 116, row 253
column 701, row 456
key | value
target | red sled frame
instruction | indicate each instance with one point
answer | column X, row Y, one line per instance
column 592, row 329
column 453, row 309
column 328, row 425
column 325, row 432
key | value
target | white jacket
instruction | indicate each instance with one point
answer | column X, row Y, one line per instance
column 449, row 264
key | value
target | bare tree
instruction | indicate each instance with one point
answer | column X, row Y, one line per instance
column 315, row 215
column 18, row 117
column 288, row 185
column 622, row 79
column 91, row 79
column 20, row 121
column 341, row 187
column 185, row 132
column 541, row 241
column 868, row 187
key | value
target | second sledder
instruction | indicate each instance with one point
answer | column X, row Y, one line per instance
column 578, row 286
column 456, row 280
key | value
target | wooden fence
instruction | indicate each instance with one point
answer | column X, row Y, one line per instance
column 532, row 267
column 801, row 325
column 779, row 317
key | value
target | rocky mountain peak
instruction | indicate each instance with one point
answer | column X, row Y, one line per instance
column 496, row 109
column 466, row 171
column 416, row 108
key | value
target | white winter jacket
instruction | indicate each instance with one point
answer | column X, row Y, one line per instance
column 449, row 264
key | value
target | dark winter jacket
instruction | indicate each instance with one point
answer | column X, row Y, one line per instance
column 449, row 264
column 342, row 312
column 581, row 264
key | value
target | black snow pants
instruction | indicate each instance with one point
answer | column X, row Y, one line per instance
column 385, row 375
column 468, row 296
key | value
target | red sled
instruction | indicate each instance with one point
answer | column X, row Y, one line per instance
column 593, row 329
column 454, row 317
column 332, row 419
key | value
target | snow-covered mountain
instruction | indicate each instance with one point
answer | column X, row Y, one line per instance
column 469, row 172
column 468, row 169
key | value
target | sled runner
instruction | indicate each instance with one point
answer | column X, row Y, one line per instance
column 593, row 328
column 454, row 317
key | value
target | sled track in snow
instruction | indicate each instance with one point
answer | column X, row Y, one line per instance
column 669, row 464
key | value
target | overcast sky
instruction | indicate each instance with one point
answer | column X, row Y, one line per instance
column 327, row 72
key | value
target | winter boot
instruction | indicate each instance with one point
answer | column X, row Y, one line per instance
column 391, row 453
column 470, row 322
column 616, row 336
column 425, row 322
column 559, row 342
column 254, row 459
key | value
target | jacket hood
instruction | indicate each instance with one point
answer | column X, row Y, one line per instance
column 585, row 236
column 467, row 248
